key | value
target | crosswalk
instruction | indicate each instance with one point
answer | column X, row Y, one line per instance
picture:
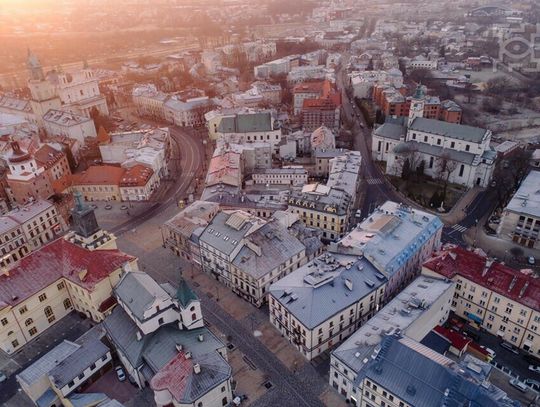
column 459, row 228
column 374, row 181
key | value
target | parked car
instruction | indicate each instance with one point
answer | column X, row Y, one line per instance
column 490, row 351
column 534, row 368
column 358, row 214
column 108, row 207
column 3, row 377
column 518, row 385
column 510, row 347
column 120, row 373
column 123, row 207
column 531, row 260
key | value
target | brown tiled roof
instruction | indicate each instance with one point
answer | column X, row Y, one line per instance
column 138, row 175
column 100, row 175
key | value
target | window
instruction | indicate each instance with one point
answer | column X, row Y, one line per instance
column 193, row 317
column 461, row 170
column 224, row 401
column 4, row 321
column 32, row 331
column 48, row 311
column 67, row 303
column 23, row 309
column 60, row 286
column 467, row 147
column 28, row 322
column 15, row 343
column 42, row 297
column 223, row 389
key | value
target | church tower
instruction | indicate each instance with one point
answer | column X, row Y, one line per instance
column 417, row 105
column 43, row 93
column 86, row 231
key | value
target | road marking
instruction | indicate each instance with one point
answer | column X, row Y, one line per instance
column 459, row 228
column 374, row 181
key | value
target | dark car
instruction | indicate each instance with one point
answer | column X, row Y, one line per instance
column 510, row 347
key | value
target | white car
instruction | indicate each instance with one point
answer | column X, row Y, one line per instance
column 3, row 377
column 120, row 373
column 518, row 385
column 531, row 260
column 534, row 368
column 490, row 351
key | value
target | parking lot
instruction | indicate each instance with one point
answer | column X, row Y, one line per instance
column 112, row 387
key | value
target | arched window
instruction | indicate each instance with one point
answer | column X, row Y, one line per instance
column 192, row 308
column 48, row 311
column 193, row 317
column 29, row 321
column 67, row 303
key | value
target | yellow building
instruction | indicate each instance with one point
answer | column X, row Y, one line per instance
column 497, row 298
column 51, row 282
column 99, row 183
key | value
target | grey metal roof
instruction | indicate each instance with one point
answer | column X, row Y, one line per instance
column 312, row 301
column 138, row 291
column 224, row 237
column 89, row 352
column 526, row 200
column 336, row 198
column 47, row 362
column 438, row 151
column 361, row 344
column 456, row 131
column 276, row 246
column 423, row 382
column 159, row 347
column 390, row 130
column 246, row 123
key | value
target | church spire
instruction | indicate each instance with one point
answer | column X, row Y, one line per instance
column 34, row 66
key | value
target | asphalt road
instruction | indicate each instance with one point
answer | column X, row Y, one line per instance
column 186, row 165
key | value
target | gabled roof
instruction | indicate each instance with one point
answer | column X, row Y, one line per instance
column 138, row 292
column 453, row 130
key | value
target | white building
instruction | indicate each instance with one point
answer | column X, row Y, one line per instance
column 158, row 331
column 520, row 220
column 457, row 153
column 189, row 112
column 67, row 124
column 362, row 82
column 148, row 101
column 294, row 175
column 326, row 300
column 414, row 312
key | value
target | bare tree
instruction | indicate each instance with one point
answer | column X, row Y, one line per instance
column 444, row 167
column 407, row 162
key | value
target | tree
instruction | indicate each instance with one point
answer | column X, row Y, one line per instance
column 100, row 120
column 442, row 51
column 406, row 169
column 420, row 75
column 444, row 167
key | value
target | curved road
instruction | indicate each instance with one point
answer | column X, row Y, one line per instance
column 186, row 164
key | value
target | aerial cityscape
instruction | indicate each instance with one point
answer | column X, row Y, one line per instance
column 208, row 203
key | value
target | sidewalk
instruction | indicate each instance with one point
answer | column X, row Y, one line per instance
column 457, row 213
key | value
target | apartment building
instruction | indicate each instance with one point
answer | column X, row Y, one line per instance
column 520, row 220
column 396, row 239
column 40, row 223
column 99, row 183
column 56, row 165
column 323, row 302
column 323, row 111
column 181, row 233
column 66, row 369
column 308, row 90
column 41, row 289
column 461, row 153
column 413, row 313
column 222, row 239
column 27, row 181
column 268, row 254
column 323, row 207
column 344, row 173
column 406, row 373
column 288, row 175
column 492, row 296
column 148, row 101
column 158, row 331
column 138, row 183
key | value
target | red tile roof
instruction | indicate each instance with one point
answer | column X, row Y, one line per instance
column 174, row 376
column 506, row 281
column 138, row 175
column 311, row 87
column 58, row 259
column 47, row 156
column 457, row 340
column 99, row 175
